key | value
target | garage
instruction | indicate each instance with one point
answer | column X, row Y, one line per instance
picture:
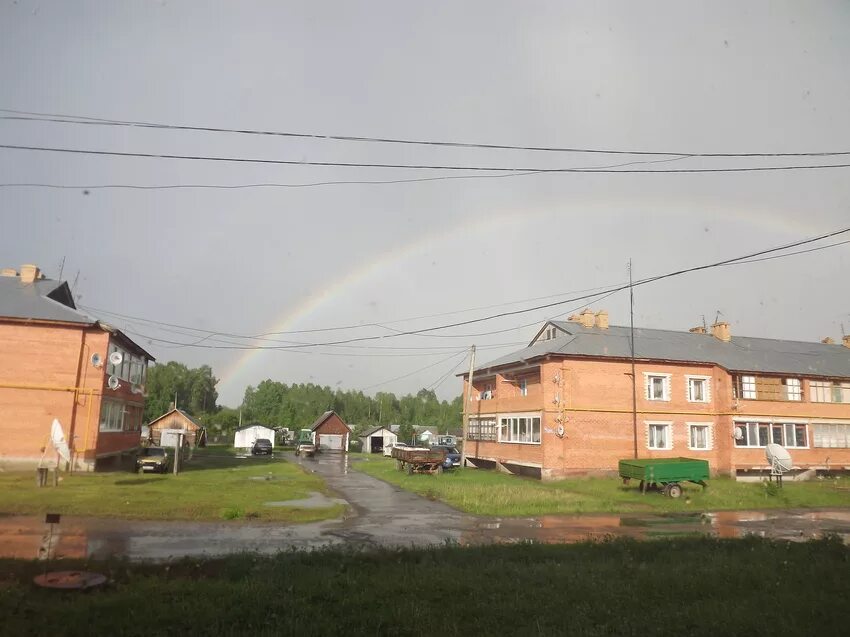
column 376, row 439
column 331, row 442
column 330, row 433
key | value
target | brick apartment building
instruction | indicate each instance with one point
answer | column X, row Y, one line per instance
column 563, row 405
column 55, row 363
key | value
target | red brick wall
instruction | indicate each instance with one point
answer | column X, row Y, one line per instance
column 593, row 399
column 45, row 363
column 334, row 425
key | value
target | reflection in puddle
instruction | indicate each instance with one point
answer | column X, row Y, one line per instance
column 24, row 537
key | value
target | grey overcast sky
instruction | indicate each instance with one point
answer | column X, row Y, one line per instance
column 682, row 76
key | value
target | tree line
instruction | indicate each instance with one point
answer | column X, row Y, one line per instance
column 294, row 406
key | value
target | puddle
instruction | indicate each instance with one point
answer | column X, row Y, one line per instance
column 315, row 501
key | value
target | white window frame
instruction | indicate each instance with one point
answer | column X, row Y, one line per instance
column 794, row 384
column 750, row 393
column 513, row 427
column 709, row 435
column 665, row 387
column 706, row 388
column 830, row 435
column 754, row 426
column 473, row 431
column 659, row 423
column 112, row 414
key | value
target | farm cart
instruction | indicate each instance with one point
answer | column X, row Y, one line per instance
column 665, row 473
column 416, row 460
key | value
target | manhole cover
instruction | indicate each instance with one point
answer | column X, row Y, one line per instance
column 69, row 580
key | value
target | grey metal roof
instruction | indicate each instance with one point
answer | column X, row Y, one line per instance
column 373, row 430
column 742, row 353
column 41, row 300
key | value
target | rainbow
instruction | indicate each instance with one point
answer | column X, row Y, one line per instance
column 786, row 221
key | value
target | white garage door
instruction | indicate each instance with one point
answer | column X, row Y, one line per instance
column 332, row 442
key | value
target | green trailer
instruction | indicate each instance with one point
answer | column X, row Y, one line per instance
column 664, row 473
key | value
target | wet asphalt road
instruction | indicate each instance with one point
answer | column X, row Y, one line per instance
column 381, row 514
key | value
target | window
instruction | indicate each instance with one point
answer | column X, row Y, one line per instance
column 748, row 387
column 657, row 386
column 659, row 435
column 821, row 391
column 699, row 389
column 831, row 435
column 481, row 429
column 550, row 333
column 487, row 394
column 793, row 389
column 699, row 436
column 760, row 434
column 112, row 416
column 520, row 429
column 523, row 387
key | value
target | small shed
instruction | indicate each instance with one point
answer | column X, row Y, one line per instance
column 330, row 433
column 245, row 436
column 195, row 433
column 375, row 439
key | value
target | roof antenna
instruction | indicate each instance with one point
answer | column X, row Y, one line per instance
column 704, row 326
column 717, row 316
column 74, row 284
column 61, row 268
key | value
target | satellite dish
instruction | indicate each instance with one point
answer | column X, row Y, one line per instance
column 96, row 360
column 738, row 434
column 113, row 382
column 135, row 388
column 779, row 458
column 560, row 431
column 116, row 358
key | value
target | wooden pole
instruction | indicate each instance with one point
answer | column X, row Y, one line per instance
column 466, row 406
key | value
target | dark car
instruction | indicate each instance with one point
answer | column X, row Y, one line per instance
column 452, row 455
column 154, row 459
column 262, row 446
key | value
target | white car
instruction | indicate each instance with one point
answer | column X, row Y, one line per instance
column 388, row 450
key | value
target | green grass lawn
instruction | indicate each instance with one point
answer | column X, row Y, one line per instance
column 215, row 485
column 674, row 587
column 483, row 492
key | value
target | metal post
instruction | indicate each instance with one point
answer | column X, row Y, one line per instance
column 177, row 449
column 465, row 429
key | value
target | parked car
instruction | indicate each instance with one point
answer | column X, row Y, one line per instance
column 154, row 459
column 452, row 455
column 262, row 446
column 388, row 450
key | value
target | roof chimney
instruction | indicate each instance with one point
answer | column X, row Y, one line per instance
column 699, row 329
column 29, row 273
column 845, row 340
column 8, row 272
column 574, row 318
column 721, row 332
column 586, row 317
column 827, row 341
column 602, row 319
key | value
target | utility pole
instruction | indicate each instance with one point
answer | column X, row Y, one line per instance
column 466, row 407
column 632, row 345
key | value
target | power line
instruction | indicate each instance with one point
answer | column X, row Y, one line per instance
column 97, row 121
column 435, row 385
column 292, row 162
column 748, row 258
column 578, row 298
column 422, row 369
column 382, row 325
